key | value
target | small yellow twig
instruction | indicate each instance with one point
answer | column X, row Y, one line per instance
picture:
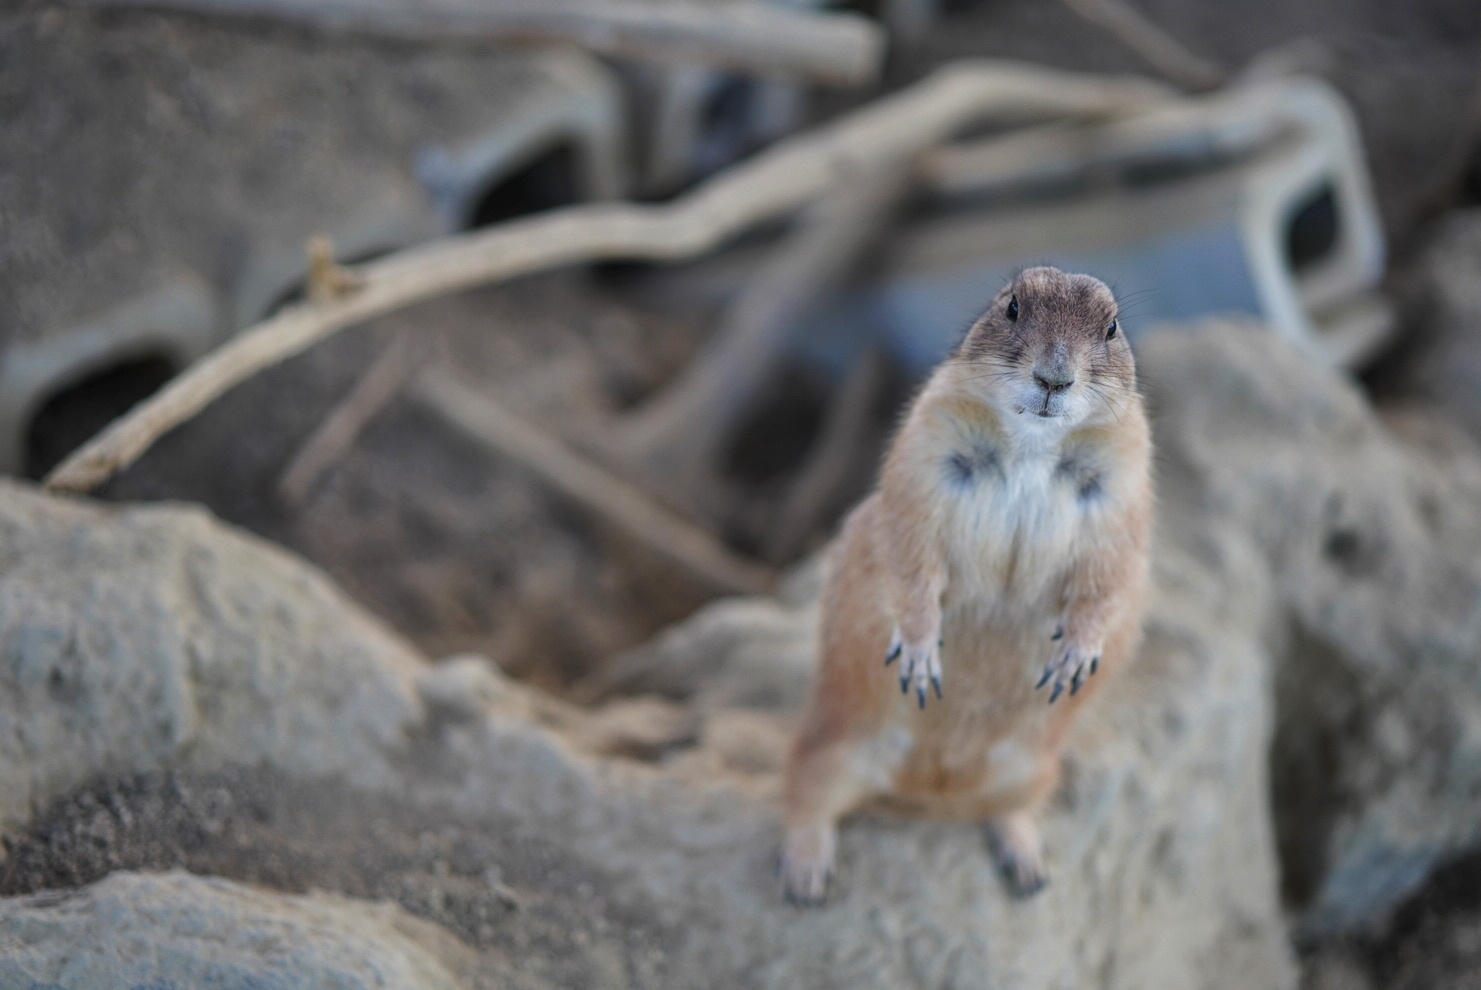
column 327, row 278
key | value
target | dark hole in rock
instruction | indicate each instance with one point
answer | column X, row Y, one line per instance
column 1343, row 546
column 1467, row 188
column 1433, row 934
column 76, row 412
column 865, row 8
column 545, row 183
column 1312, row 232
column 1429, row 941
column 1355, row 555
column 1317, row 704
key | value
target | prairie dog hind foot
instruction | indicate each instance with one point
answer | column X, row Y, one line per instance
column 1019, row 852
column 806, row 863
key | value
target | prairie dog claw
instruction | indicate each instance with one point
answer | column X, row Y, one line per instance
column 920, row 664
column 1071, row 666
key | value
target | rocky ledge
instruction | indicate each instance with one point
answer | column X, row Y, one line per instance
column 175, row 694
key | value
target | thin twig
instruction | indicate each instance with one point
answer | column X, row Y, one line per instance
column 832, row 47
column 789, row 174
column 592, row 487
column 1157, row 48
column 327, row 278
column 328, row 444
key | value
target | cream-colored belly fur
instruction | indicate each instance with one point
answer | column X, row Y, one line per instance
column 1010, row 537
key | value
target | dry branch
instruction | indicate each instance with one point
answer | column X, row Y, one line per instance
column 790, row 174
column 588, row 485
column 839, row 48
column 1157, row 48
column 675, row 437
column 342, row 427
column 327, row 278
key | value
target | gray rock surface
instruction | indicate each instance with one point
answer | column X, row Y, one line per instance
column 1307, row 549
column 182, row 644
column 1371, row 533
column 733, row 653
column 1161, row 847
column 146, row 637
column 178, row 930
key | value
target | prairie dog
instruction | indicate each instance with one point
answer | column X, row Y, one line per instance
column 990, row 584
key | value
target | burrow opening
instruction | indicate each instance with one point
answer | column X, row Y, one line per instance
column 76, row 412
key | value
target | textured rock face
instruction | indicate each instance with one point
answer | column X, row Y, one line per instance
column 1306, row 549
column 169, row 930
column 147, row 637
column 1160, row 846
column 1372, row 537
column 199, row 647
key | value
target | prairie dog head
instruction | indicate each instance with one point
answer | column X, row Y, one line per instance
column 1049, row 349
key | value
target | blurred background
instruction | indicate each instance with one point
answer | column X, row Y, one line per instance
column 548, row 470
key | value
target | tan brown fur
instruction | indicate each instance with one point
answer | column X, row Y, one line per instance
column 1009, row 507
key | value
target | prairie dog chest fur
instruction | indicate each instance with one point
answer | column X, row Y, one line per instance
column 1015, row 506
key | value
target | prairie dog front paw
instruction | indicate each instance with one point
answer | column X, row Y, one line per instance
column 1073, row 662
column 920, row 662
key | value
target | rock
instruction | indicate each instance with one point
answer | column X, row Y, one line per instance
column 1372, row 540
column 735, row 652
column 462, row 687
column 178, row 930
column 1441, row 363
column 1336, row 970
column 1160, row 843
column 1306, row 549
column 1432, row 940
column 147, row 637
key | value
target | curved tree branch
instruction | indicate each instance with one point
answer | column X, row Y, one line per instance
column 791, row 173
column 839, row 48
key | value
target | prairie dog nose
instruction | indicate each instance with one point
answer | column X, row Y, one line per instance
column 1054, row 379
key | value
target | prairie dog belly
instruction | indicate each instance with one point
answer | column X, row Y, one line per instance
column 1012, row 522
column 1011, row 519
column 985, row 733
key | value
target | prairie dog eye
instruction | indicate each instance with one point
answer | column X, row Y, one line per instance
column 1013, row 308
column 1111, row 330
